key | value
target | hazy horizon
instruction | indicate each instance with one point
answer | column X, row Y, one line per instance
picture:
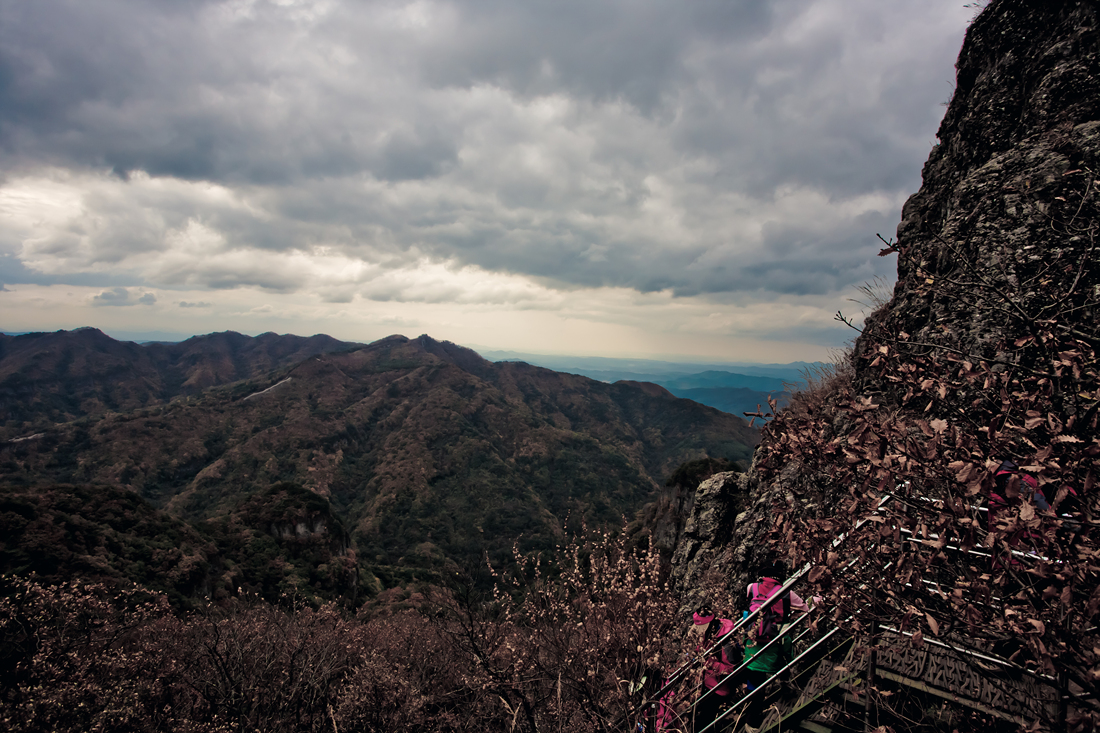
column 491, row 353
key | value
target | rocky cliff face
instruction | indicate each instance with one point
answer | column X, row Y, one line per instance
column 1009, row 192
column 995, row 254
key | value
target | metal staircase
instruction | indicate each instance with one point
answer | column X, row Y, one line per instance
column 837, row 682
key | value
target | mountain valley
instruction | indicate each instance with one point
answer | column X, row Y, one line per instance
column 424, row 454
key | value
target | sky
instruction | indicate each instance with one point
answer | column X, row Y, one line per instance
column 621, row 178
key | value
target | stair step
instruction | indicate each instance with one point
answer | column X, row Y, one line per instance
column 812, row 727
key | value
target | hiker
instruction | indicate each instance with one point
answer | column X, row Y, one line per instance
column 778, row 610
column 1011, row 489
column 715, row 696
column 1009, row 492
column 658, row 715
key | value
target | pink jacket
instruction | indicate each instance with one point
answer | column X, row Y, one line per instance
column 718, row 666
column 766, row 588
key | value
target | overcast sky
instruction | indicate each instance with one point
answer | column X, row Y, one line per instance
column 578, row 176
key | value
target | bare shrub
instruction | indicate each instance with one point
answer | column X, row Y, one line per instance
column 76, row 657
column 260, row 667
column 564, row 649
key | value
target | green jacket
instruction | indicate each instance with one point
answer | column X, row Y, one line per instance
column 772, row 660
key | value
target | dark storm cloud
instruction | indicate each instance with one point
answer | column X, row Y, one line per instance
column 407, row 157
column 172, row 89
column 792, row 257
column 646, row 145
column 623, row 49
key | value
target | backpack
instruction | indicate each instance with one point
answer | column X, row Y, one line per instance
column 1028, row 488
column 729, row 651
column 774, row 615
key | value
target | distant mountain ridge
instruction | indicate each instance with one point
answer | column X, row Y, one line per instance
column 65, row 375
column 734, row 400
column 713, row 378
column 736, row 388
column 792, row 372
column 53, row 377
column 429, row 454
column 730, row 392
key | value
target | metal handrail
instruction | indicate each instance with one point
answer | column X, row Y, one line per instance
column 677, row 675
column 776, row 639
column 771, row 679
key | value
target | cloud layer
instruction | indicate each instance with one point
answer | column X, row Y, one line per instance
column 471, row 152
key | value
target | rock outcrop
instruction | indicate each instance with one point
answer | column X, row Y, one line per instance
column 1007, row 216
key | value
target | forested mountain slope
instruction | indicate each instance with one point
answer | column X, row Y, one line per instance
column 428, row 453
column 65, row 375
